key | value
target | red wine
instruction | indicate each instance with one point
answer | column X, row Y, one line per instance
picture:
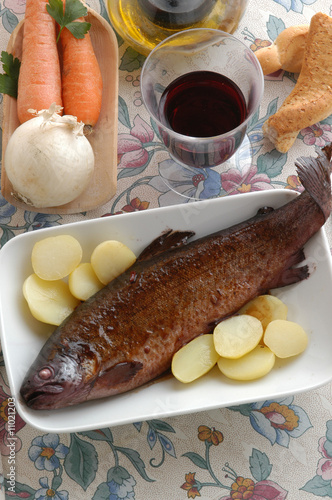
column 201, row 105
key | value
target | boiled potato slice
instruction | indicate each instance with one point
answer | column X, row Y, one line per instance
column 194, row 359
column 83, row 281
column 285, row 338
column 255, row 364
column 110, row 259
column 266, row 308
column 49, row 301
column 237, row 335
column 55, row 257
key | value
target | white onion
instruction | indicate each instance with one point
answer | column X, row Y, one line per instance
column 48, row 160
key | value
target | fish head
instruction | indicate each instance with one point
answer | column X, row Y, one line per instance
column 54, row 384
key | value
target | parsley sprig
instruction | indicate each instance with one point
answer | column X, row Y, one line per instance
column 66, row 19
column 8, row 80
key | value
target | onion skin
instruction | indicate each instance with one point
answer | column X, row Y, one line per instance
column 48, row 160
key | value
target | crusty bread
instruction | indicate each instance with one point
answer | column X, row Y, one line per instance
column 286, row 52
column 311, row 99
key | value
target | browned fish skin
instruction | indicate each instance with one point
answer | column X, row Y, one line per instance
column 127, row 333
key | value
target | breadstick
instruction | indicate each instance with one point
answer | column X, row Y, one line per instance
column 311, row 99
column 286, row 52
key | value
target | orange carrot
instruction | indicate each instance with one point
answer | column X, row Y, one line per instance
column 82, row 83
column 39, row 83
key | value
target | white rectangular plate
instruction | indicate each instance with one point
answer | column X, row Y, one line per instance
column 309, row 304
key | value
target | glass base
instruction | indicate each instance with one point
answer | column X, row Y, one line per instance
column 203, row 183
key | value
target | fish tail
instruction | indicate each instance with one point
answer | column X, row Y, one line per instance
column 314, row 174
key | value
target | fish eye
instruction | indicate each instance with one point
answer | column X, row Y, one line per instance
column 45, row 373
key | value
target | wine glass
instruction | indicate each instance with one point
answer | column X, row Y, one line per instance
column 201, row 87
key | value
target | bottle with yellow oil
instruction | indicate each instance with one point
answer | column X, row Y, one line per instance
column 145, row 23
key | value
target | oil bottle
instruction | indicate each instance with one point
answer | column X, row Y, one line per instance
column 145, row 23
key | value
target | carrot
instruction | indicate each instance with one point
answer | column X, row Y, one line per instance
column 82, row 83
column 39, row 83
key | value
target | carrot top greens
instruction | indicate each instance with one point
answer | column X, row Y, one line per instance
column 11, row 67
column 66, row 19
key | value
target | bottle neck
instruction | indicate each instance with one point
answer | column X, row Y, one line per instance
column 176, row 13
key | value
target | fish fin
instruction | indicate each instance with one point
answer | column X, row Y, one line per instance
column 294, row 275
column 168, row 240
column 314, row 174
column 118, row 374
column 296, row 258
column 291, row 274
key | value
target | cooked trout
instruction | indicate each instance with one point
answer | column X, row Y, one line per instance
column 126, row 334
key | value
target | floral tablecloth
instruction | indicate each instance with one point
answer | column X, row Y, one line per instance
column 271, row 450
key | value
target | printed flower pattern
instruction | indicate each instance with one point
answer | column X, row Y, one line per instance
column 189, row 182
column 258, row 43
column 123, row 491
column 119, row 486
column 241, row 488
column 247, row 489
column 46, row 452
column 6, row 211
column 293, row 182
column 317, row 135
column 191, row 486
column 132, row 152
column 48, row 493
column 16, row 6
column 210, row 435
column 278, row 420
column 295, row 5
column 324, row 468
column 136, row 205
column 236, row 181
column 142, row 130
column 322, row 481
